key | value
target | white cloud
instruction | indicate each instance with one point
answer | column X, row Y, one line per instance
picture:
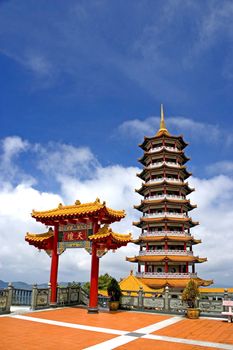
column 221, row 167
column 115, row 185
column 214, row 198
column 193, row 129
column 58, row 159
column 12, row 146
column 38, row 64
column 10, row 150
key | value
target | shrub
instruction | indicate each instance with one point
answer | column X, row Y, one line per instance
column 191, row 293
column 114, row 290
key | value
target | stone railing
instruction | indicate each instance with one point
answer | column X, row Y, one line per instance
column 165, row 233
column 171, row 302
column 166, row 252
column 157, row 149
column 40, row 298
column 161, row 179
column 6, row 299
column 165, row 196
column 21, row 296
column 165, row 275
column 170, row 214
column 158, row 164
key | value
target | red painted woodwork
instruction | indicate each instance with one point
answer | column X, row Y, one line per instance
column 93, row 303
column 166, row 267
column 54, row 268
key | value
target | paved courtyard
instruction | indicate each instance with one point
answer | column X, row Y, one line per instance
column 74, row 328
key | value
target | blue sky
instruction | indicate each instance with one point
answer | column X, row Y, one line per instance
column 81, row 84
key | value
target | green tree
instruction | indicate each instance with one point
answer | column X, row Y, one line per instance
column 114, row 290
column 104, row 281
column 191, row 293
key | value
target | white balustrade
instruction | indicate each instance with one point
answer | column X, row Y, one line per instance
column 163, row 196
column 158, row 164
column 165, row 275
column 165, row 252
column 157, row 149
column 164, row 233
column 161, row 179
column 163, row 214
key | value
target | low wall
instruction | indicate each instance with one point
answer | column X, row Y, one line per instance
column 171, row 302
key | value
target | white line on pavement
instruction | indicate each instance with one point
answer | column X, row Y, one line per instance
column 189, row 341
column 115, row 342
column 71, row 325
column 159, row 325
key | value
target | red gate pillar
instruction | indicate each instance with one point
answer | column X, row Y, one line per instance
column 93, row 303
column 54, row 268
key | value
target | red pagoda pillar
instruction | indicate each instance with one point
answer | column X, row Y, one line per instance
column 54, row 268
column 93, row 303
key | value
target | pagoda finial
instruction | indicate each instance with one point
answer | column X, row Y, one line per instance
column 162, row 129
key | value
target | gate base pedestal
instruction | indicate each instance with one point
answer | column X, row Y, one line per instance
column 93, row 310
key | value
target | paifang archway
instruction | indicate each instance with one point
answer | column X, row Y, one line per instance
column 78, row 226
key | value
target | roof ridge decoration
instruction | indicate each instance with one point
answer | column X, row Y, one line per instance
column 78, row 208
column 106, row 231
column 162, row 130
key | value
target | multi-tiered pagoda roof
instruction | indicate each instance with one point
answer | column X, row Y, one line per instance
column 166, row 256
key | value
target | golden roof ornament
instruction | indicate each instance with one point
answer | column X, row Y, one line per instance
column 162, row 129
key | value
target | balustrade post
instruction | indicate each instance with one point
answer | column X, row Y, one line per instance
column 34, row 296
column 166, row 298
column 225, row 297
column 10, row 297
column 69, row 293
column 140, row 298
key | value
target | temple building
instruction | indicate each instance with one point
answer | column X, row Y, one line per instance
column 166, row 256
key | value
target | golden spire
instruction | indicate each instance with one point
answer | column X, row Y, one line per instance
column 162, row 129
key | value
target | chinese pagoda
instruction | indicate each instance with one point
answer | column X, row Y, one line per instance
column 166, row 256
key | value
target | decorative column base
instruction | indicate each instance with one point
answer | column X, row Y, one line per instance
column 92, row 310
column 53, row 304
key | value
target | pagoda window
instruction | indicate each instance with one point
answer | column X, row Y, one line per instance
column 173, row 270
column 159, row 269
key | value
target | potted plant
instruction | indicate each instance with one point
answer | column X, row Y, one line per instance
column 190, row 295
column 114, row 292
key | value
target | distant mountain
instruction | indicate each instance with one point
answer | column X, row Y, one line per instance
column 3, row 284
column 24, row 285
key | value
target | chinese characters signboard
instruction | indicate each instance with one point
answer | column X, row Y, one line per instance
column 74, row 236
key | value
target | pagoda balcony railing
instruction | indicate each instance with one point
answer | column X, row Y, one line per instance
column 165, row 233
column 163, row 196
column 165, row 275
column 158, row 164
column 163, row 214
column 161, row 179
column 157, row 149
column 166, row 252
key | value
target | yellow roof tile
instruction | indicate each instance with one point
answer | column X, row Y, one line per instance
column 32, row 237
column 105, row 232
column 215, row 290
column 134, row 284
column 169, row 238
column 77, row 210
column 174, row 258
column 173, row 282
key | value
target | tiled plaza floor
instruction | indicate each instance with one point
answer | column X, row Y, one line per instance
column 74, row 328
